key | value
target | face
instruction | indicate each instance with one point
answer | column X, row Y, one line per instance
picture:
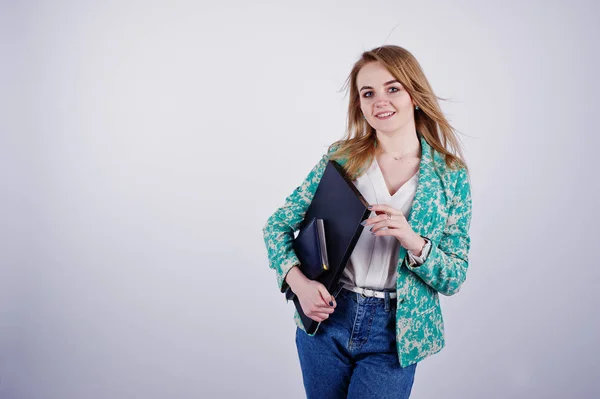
column 383, row 101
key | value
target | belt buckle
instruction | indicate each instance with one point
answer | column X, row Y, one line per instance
column 364, row 290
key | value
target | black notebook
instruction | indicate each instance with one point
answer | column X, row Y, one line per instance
column 342, row 208
column 311, row 249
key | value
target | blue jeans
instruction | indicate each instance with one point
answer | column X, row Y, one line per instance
column 353, row 354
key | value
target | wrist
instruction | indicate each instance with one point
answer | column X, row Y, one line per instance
column 295, row 277
column 417, row 248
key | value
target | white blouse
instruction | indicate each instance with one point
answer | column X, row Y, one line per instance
column 374, row 259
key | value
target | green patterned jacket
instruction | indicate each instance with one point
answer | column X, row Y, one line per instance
column 441, row 211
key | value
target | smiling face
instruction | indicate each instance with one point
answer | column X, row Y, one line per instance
column 387, row 107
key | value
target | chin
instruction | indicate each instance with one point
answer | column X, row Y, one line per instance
column 387, row 129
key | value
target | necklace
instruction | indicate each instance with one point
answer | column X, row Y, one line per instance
column 397, row 158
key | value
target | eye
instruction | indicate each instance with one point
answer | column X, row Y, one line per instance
column 394, row 89
column 366, row 94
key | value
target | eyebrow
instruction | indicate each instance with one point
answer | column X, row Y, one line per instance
column 385, row 84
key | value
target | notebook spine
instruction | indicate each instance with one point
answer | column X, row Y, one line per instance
column 322, row 244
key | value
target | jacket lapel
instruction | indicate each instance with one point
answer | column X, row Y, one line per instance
column 427, row 196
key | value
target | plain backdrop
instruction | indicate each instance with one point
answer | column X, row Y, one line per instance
column 143, row 145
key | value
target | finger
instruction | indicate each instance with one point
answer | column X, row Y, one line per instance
column 385, row 217
column 323, row 305
column 378, row 208
column 319, row 317
column 392, row 224
column 327, row 305
column 324, row 315
column 375, row 219
column 327, row 297
column 320, row 306
column 387, row 232
column 322, row 310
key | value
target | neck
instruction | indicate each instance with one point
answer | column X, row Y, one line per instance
column 401, row 144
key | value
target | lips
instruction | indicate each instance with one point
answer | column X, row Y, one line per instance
column 385, row 114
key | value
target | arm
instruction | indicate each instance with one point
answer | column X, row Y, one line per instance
column 279, row 230
column 445, row 268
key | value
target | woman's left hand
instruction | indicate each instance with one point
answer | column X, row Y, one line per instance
column 397, row 226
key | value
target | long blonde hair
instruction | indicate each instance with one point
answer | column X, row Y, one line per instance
column 358, row 145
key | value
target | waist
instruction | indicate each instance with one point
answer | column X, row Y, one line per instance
column 367, row 292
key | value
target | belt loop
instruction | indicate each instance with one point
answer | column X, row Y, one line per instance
column 387, row 300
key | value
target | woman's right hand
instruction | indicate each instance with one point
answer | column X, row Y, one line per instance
column 314, row 300
column 312, row 295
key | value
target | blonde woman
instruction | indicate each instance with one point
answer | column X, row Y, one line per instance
column 384, row 316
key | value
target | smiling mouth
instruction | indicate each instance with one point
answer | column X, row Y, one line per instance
column 385, row 115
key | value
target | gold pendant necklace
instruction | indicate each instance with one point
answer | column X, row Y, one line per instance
column 397, row 158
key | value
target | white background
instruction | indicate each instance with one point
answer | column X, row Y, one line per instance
column 144, row 145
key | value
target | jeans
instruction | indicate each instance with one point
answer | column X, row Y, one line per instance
column 353, row 354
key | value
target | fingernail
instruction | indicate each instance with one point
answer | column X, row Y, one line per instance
column 363, row 222
column 330, row 303
column 371, row 229
column 369, row 207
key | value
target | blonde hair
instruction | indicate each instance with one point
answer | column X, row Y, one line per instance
column 358, row 144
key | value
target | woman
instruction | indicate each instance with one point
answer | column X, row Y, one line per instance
column 384, row 316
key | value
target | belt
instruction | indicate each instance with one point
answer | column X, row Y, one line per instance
column 367, row 292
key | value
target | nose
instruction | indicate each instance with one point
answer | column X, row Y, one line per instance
column 381, row 101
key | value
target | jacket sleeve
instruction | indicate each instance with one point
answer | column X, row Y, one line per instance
column 279, row 229
column 445, row 268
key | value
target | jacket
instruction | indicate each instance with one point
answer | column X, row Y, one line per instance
column 441, row 211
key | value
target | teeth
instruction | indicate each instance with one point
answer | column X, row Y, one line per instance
column 384, row 115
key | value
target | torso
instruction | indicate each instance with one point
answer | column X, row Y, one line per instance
column 374, row 260
column 397, row 172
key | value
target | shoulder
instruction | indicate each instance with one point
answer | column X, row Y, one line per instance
column 334, row 147
column 461, row 186
column 454, row 178
column 455, row 185
column 456, row 171
column 333, row 154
